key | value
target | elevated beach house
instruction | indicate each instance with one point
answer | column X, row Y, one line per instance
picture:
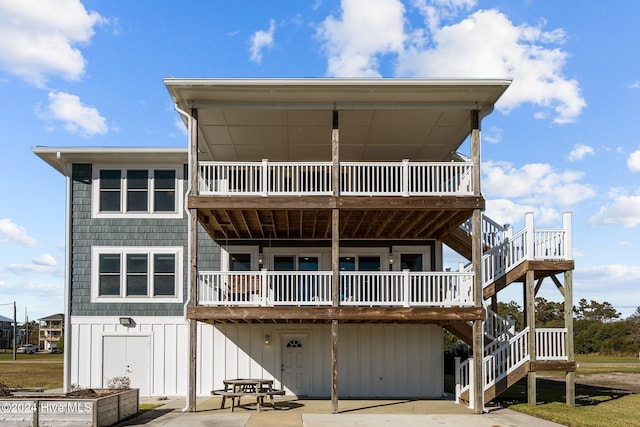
column 299, row 238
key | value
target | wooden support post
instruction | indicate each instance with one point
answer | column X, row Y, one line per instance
column 334, row 366
column 530, row 316
column 494, row 303
column 568, row 324
column 476, row 259
column 193, row 261
column 335, row 259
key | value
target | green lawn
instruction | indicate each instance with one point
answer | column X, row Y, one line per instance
column 43, row 370
column 7, row 356
column 595, row 406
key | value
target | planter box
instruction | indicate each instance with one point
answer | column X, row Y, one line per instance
column 31, row 409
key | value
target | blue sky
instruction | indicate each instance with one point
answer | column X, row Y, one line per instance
column 563, row 137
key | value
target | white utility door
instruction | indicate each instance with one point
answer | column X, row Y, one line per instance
column 294, row 359
column 126, row 356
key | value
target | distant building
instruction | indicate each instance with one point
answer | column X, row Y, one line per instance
column 6, row 333
column 50, row 331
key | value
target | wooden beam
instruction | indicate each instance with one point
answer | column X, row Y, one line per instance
column 530, row 316
column 263, row 203
column 476, row 260
column 400, row 222
column 558, row 285
column 388, row 220
column 341, row 313
column 335, row 258
column 193, row 265
column 419, row 219
column 535, row 291
column 334, row 366
column 433, row 203
column 553, row 365
column 243, row 219
column 570, row 382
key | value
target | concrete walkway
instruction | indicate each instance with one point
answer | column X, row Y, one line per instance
column 317, row 413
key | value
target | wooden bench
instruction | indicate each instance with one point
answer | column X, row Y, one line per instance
column 259, row 395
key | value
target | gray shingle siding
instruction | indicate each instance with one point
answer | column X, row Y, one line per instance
column 87, row 232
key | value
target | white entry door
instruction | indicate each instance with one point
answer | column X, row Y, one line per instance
column 294, row 359
column 126, row 356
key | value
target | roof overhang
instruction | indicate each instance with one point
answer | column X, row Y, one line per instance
column 291, row 119
column 61, row 158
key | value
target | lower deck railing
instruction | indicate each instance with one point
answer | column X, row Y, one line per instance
column 314, row 288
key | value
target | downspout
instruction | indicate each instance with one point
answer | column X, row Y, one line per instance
column 188, row 404
column 67, row 280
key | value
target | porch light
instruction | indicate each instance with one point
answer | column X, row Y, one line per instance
column 127, row 322
column 267, row 340
column 260, row 258
column 392, row 258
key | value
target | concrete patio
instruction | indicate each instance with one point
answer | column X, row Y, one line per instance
column 290, row 412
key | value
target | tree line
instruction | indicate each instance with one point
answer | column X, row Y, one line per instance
column 597, row 327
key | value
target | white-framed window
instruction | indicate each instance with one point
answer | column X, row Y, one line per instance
column 136, row 274
column 137, row 192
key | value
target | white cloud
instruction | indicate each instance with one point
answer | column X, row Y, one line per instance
column 634, row 85
column 580, row 151
column 44, row 288
column 623, row 210
column 633, row 162
column 493, row 47
column 44, row 264
column 261, row 40
column 537, row 187
column 181, row 126
column 505, row 211
column 77, row 118
column 45, row 260
column 12, row 232
column 535, row 184
column 493, row 135
column 39, row 40
column 490, row 44
column 366, row 29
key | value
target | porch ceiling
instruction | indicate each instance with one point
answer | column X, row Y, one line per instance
column 291, row 120
column 315, row 223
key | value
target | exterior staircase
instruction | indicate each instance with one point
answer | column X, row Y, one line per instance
column 506, row 356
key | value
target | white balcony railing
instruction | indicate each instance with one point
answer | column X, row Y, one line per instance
column 551, row 344
column 315, row 178
column 535, row 244
column 272, row 288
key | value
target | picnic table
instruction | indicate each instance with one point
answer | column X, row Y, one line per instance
column 254, row 387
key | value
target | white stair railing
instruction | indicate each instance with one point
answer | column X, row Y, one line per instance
column 498, row 327
column 492, row 233
column 506, row 359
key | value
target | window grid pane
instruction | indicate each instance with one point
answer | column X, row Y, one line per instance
column 137, row 274
column 109, row 275
column 110, row 190
column 164, row 278
column 164, row 191
column 137, row 191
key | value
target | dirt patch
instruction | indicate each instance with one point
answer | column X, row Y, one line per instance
column 618, row 381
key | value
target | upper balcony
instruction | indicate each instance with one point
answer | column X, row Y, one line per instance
column 402, row 178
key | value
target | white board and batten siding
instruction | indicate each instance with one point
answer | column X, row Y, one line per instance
column 374, row 360
column 155, row 350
